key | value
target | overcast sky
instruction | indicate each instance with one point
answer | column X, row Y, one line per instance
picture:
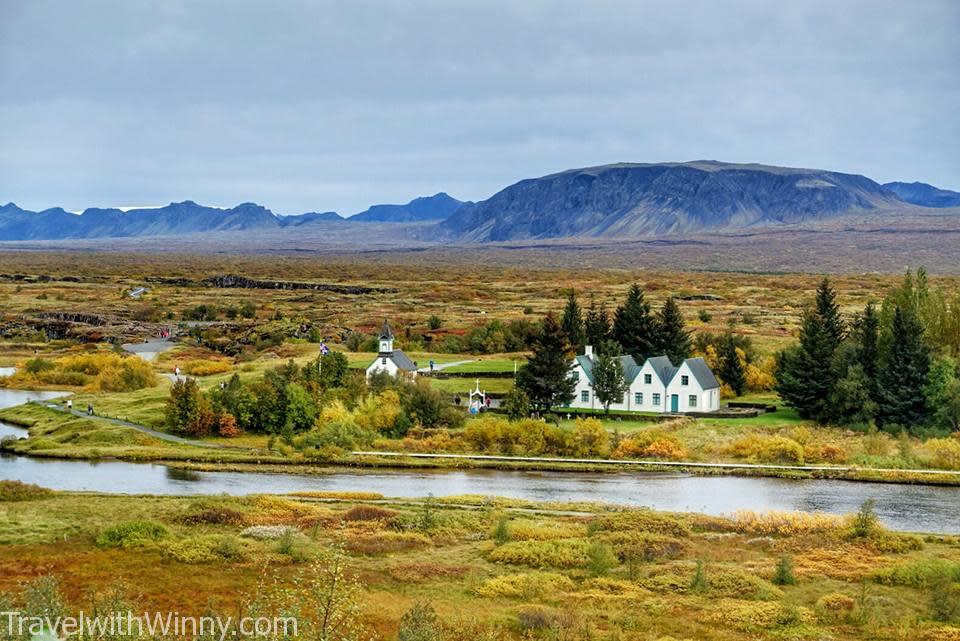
column 314, row 106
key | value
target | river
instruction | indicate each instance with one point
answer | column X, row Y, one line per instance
column 918, row 508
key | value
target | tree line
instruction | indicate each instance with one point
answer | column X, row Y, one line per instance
column 894, row 366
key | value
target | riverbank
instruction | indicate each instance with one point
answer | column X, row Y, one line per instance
column 54, row 434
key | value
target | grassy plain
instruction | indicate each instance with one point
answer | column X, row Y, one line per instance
column 492, row 569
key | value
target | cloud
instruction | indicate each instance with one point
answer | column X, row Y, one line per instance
column 308, row 106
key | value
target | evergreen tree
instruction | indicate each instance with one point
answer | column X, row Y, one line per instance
column 516, row 404
column 573, row 322
column 608, row 382
column 867, row 334
column 943, row 393
column 634, row 327
column 903, row 374
column 804, row 372
column 597, row 324
column 829, row 312
column 545, row 378
column 732, row 371
column 673, row 339
column 850, row 400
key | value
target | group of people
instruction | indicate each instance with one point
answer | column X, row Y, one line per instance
column 164, row 333
column 69, row 406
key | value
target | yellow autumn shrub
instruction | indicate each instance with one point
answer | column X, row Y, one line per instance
column 532, row 585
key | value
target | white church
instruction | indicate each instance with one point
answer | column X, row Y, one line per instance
column 656, row 386
column 390, row 360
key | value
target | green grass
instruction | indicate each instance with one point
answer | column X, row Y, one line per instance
column 465, row 385
column 485, row 366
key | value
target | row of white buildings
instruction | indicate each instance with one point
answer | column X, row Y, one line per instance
column 656, row 386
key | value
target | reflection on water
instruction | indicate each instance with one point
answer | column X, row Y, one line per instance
column 12, row 398
column 904, row 507
column 7, row 371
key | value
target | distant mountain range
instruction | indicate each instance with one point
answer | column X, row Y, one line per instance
column 924, row 195
column 629, row 200
column 188, row 217
column 611, row 201
column 436, row 207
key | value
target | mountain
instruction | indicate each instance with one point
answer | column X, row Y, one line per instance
column 631, row 199
column 437, row 207
column 924, row 195
column 296, row 220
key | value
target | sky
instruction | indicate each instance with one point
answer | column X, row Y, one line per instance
column 317, row 106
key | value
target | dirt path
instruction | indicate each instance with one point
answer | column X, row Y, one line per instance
column 163, row 436
column 439, row 367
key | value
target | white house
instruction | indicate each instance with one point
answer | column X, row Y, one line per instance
column 390, row 360
column 656, row 386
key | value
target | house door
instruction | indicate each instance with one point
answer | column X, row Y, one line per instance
column 674, row 403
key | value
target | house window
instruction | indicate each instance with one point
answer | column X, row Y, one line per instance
column 638, row 398
column 656, row 400
column 576, row 375
column 383, row 361
column 647, row 379
column 692, row 400
column 585, row 396
column 684, row 380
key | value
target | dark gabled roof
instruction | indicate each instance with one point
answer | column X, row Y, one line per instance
column 403, row 361
column 627, row 364
column 702, row 372
column 385, row 331
column 664, row 368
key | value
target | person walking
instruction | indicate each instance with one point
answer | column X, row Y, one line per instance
column 89, row 409
column 70, row 406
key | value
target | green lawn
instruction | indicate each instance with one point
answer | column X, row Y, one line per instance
column 486, row 366
column 464, row 385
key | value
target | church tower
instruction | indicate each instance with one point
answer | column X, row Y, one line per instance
column 386, row 340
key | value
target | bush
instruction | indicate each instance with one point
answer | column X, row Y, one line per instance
column 652, row 444
column 217, row 548
column 560, row 553
column 767, row 449
column 590, row 438
column 835, row 607
column 739, row 585
column 528, row 530
column 369, row 513
column 11, row 491
column 920, row 574
column 645, row 521
column 215, row 515
column 205, row 367
column 132, row 534
column 528, row 586
column 386, row 542
column 343, row 434
column 783, row 573
column 600, row 559
column 776, row 523
column 419, row 623
column 638, row 546
column 944, row 453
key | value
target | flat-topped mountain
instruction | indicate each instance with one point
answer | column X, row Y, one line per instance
column 632, row 199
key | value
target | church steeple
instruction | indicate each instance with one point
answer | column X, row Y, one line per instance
column 386, row 339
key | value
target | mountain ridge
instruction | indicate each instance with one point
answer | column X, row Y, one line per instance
column 649, row 199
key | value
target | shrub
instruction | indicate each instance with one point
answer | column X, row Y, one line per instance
column 944, row 453
column 11, row 491
column 920, row 574
column 215, row 515
column 590, row 438
column 502, row 533
column 746, row 616
column 205, row 367
column 638, row 546
column 527, row 586
column 526, row 530
column 945, row 598
column 561, row 553
column 385, row 542
column 739, row 585
column 645, row 521
column 419, row 623
column 699, row 583
column 267, row 532
column 217, row 548
column 600, row 559
column 766, row 449
column 835, row 607
column 865, row 522
column 369, row 513
column 783, row 573
column 534, row 619
column 652, row 444
column 132, row 534
column 776, row 523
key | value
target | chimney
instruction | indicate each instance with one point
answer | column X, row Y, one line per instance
column 588, row 351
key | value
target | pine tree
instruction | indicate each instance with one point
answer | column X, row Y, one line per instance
column 829, row 312
column 634, row 327
column 597, row 324
column 867, row 334
column 732, row 371
column 573, row 322
column 673, row 339
column 903, row 374
column 804, row 376
column 545, row 378
column 608, row 382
